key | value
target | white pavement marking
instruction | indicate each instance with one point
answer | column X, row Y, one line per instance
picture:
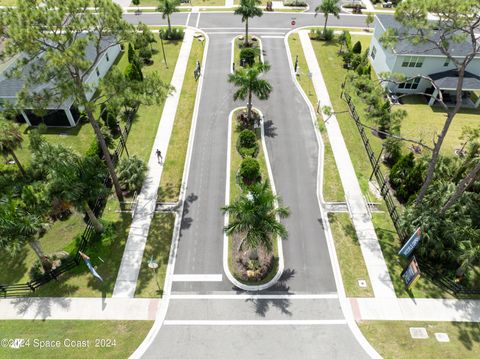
column 240, row 32
column 243, row 29
column 188, row 18
column 78, row 308
column 372, row 253
column 255, row 296
column 256, row 322
column 132, row 257
column 167, row 288
column 417, row 309
column 346, row 308
column 226, row 267
column 272, row 37
column 197, row 277
column 198, row 20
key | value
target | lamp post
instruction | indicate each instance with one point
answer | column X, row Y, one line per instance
column 153, row 265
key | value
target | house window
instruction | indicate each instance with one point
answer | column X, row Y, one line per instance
column 98, row 72
column 412, row 61
column 410, row 84
column 106, row 56
column 374, row 52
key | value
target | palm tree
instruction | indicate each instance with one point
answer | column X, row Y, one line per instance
column 18, row 226
column 248, row 9
column 167, row 8
column 328, row 7
column 254, row 214
column 79, row 181
column 249, row 83
column 10, row 140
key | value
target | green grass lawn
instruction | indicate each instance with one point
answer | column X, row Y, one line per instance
column 392, row 339
column 105, row 253
column 349, row 256
column 8, row 2
column 332, row 187
column 177, row 148
column 125, row 337
column 424, row 122
column 144, row 127
column 193, row 3
column 158, row 248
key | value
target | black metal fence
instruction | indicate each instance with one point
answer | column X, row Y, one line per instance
column 17, row 290
column 429, row 271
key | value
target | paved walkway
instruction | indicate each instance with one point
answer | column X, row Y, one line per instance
column 146, row 202
column 416, row 309
column 372, row 253
column 79, row 308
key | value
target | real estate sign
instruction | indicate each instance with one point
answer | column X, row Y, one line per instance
column 411, row 273
column 410, row 245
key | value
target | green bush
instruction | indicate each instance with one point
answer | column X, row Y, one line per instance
column 133, row 72
column 247, row 139
column 94, row 149
column 406, row 178
column 131, row 173
column 327, row 35
column 322, row 35
column 393, row 150
column 250, row 170
column 295, row 3
column 174, row 34
column 247, row 56
column 357, row 48
column 131, row 53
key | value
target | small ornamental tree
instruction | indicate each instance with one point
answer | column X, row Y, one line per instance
column 250, row 170
column 357, row 48
column 131, row 173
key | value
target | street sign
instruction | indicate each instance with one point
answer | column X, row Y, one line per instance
column 410, row 245
column 411, row 273
column 293, row 22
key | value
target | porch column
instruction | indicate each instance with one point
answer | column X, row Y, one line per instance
column 25, row 117
column 70, row 118
column 433, row 98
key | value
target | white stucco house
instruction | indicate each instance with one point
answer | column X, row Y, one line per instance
column 423, row 60
column 63, row 114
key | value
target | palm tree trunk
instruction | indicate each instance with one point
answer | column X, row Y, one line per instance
column 19, row 165
column 169, row 25
column 37, row 248
column 461, row 187
column 95, row 222
column 443, row 134
column 326, row 19
column 249, row 106
column 246, row 32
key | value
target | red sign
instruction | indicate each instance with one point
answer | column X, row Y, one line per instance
column 293, row 23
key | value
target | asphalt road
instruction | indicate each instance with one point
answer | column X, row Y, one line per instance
column 217, row 327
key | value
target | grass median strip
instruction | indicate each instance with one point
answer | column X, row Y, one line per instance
column 73, row 338
column 150, row 283
column 177, row 148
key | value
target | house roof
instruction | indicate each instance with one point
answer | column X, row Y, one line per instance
column 405, row 47
column 10, row 86
column 448, row 80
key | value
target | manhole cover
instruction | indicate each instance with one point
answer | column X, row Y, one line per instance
column 442, row 337
column 362, row 283
column 418, row 333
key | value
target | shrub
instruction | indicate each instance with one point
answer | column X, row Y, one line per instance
column 327, row 35
column 393, row 150
column 133, row 71
column 94, row 149
column 131, row 53
column 109, row 118
column 322, row 35
column 247, row 56
column 174, row 34
column 250, row 170
column 406, row 178
column 131, row 173
column 146, row 54
column 247, row 139
column 295, row 3
column 357, row 48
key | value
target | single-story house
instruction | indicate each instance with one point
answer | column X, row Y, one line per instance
column 424, row 59
column 57, row 114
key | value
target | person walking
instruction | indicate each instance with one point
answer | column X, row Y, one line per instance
column 159, row 156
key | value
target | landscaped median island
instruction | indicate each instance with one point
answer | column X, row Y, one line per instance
column 253, row 231
column 72, row 338
column 246, row 54
column 171, row 181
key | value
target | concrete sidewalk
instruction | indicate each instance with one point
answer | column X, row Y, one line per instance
column 147, row 199
column 79, row 308
column 416, row 309
column 372, row 253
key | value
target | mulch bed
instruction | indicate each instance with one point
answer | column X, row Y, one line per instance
column 242, row 259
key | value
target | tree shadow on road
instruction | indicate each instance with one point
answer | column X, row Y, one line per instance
column 270, row 129
column 187, row 221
